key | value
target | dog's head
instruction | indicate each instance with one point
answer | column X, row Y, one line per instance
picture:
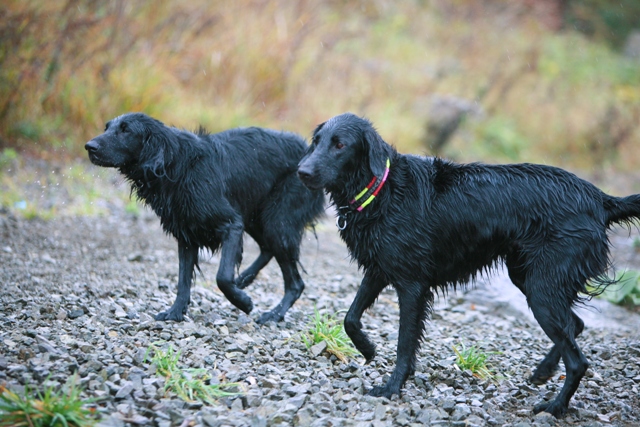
column 342, row 146
column 123, row 140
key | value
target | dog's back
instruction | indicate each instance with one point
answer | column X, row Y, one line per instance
column 468, row 217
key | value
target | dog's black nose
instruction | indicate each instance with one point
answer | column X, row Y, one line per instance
column 91, row 146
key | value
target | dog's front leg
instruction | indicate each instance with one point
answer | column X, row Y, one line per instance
column 230, row 256
column 415, row 303
column 368, row 291
column 188, row 257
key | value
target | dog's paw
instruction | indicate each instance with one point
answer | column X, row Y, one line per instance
column 243, row 281
column 242, row 301
column 170, row 314
column 364, row 346
column 540, row 377
column 554, row 408
column 246, row 305
column 369, row 353
column 383, row 391
column 269, row 316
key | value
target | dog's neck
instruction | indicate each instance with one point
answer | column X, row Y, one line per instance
column 361, row 200
column 366, row 196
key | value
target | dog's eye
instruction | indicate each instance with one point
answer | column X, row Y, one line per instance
column 336, row 143
column 123, row 127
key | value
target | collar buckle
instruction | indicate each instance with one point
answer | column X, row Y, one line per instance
column 341, row 219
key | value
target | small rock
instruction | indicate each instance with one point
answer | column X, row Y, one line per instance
column 194, row 405
column 430, row 416
column 318, row 349
column 270, row 382
column 237, row 405
column 298, row 389
column 137, row 419
column 86, row 347
column 74, row 314
column 297, row 401
column 461, row 412
column 448, row 405
column 135, row 257
column 125, row 390
column 303, row 417
column 46, row 346
column 380, row 412
column 111, row 421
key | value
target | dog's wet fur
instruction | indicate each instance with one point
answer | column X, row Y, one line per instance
column 208, row 189
column 436, row 225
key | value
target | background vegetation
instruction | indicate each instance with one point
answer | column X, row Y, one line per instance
column 546, row 80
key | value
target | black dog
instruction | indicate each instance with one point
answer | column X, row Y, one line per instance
column 209, row 188
column 424, row 224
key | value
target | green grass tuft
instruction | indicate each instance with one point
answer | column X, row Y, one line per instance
column 48, row 409
column 474, row 360
column 327, row 328
column 189, row 384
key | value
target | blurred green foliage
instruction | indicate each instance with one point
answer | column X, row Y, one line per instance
column 611, row 21
column 626, row 291
column 47, row 189
column 500, row 136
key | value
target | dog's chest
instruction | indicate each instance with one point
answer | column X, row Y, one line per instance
column 366, row 242
column 391, row 249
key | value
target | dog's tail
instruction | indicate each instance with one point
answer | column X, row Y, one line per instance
column 622, row 209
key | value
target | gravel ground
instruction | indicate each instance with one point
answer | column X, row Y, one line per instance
column 78, row 294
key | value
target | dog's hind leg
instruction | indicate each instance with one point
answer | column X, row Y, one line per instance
column 415, row 305
column 188, row 258
column 293, row 287
column 515, row 265
column 246, row 277
column 549, row 364
column 230, row 256
column 367, row 294
column 282, row 225
column 557, row 320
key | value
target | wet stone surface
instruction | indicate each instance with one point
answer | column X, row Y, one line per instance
column 78, row 295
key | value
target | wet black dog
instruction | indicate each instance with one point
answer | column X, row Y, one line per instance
column 209, row 188
column 425, row 224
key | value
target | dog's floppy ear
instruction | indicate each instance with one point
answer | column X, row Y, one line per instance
column 157, row 152
column 312, row 145
column 376, row 150
column 317, row 129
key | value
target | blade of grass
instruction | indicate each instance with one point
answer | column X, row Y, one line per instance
column 327, row 328
column 474, row 360
column 188, row 384
column 48, row 408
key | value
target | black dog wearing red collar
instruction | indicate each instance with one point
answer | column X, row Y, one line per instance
column 434, row 224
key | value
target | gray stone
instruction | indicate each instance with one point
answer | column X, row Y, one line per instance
column 318, row 349
column 125, row 390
